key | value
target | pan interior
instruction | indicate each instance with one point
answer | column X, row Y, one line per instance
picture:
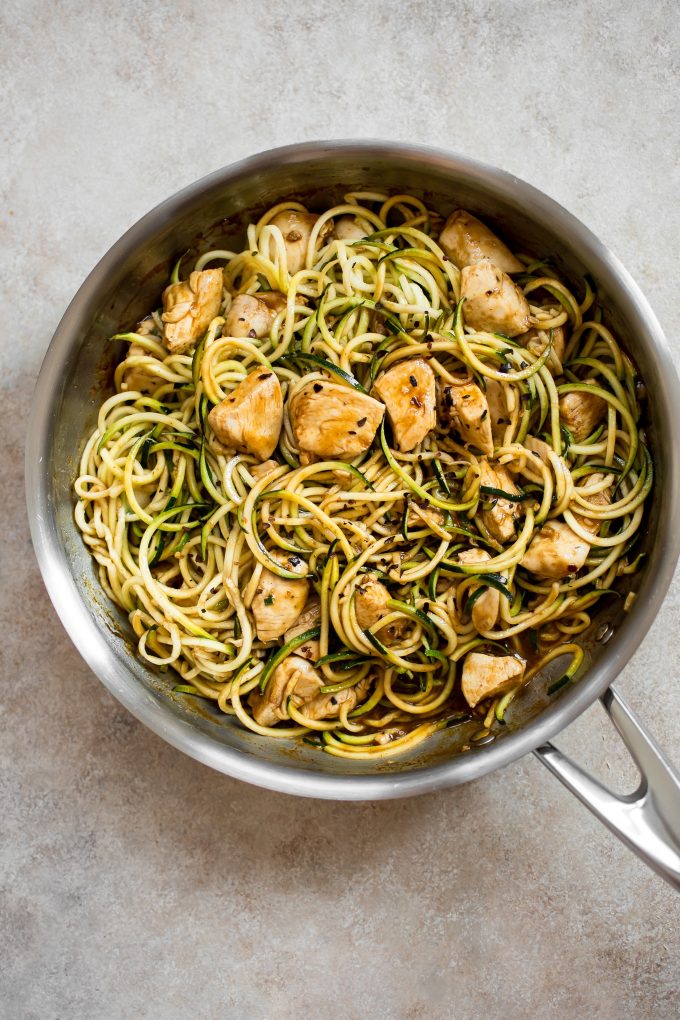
column 215, row 215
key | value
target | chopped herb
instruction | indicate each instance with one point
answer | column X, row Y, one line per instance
column 269, row 600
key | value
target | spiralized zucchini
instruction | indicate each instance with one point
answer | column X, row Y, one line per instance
column 182, row 533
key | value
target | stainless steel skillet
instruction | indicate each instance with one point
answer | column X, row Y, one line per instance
column 128, row 280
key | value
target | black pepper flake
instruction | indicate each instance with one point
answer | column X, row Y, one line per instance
column 412, row 379
column 294, row 561
column 351, row 432
column 484, row 415
column 416, row 402
column 252, row 334
column 504, row 368
column 317, row 387
column 362, row 422
column 466, row 396
column 265, row 375
column 523, row 364
column 503, row 421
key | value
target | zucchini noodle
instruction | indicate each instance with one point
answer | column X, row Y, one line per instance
column 187, row 533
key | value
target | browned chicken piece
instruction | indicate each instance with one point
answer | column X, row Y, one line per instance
column 139, row 377
column 259, row 471
column 332, row 421
column 370, row 601
column 536, row 341
column 189, row 307
column 555, row 551
column 249, row 419
column 327, row 706
column 464, row 407
column 296, row 228
column 252, row 315
column 466, row 241
column 603, row 498
column 430, row 514
column 370, row 606
column 347, row 229
column 487, row 676
column 539, row 450
column 500, row 518
column 582, row 412
column 296, row 678
column 499, row 416
column 279, row 601
column 408, row 391
column 309, row 618
column 487, row 607
column 493, row 302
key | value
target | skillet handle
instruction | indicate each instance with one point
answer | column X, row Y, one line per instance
column 648, row 820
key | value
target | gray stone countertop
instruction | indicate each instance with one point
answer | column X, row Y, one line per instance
column 138, row 883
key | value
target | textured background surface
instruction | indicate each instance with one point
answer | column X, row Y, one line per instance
column 135, row 881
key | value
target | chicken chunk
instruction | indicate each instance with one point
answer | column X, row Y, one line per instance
column 502, row 514
column 296, row 678
column 602, row 498
column 327, row 706
column 333, row 421
column 252, row 315
column 189, row 307
column 279, row 601
column 539, row 450
column 296, row 228
column 259, row 471
column 464, row 407
column 536, row 341
column 581, row 412
column 493, row 302
column 249, row 419
column 408, row 391
column 309, row 618
column 370, row 605
column 486, row 608
column 555, row 551
column 347, row 229
column 139, row 377
column 466, row 241
column 487, row 676
column 499, row 415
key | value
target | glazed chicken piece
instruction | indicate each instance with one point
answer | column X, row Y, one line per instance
column 279, row 601
column 500, row 518
column 408, row 391
column 582, row 412
column 555, row 551
column 539, row 450
column 603, row 498
column 249, row 419
column 464, row 407
column 327, row 706
column 332, row 421
column 493, row 302
column 309, row 618
column 296, row 228
column 536, row 341
column 296, row 678
column 252, row 315
column 347, row 229
column 139, row 377
column 189, row 307
column 466, row 241
column 259, row 471
column 499, row 415
column 486, row 608
column 370, row 606
column 487, row 676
